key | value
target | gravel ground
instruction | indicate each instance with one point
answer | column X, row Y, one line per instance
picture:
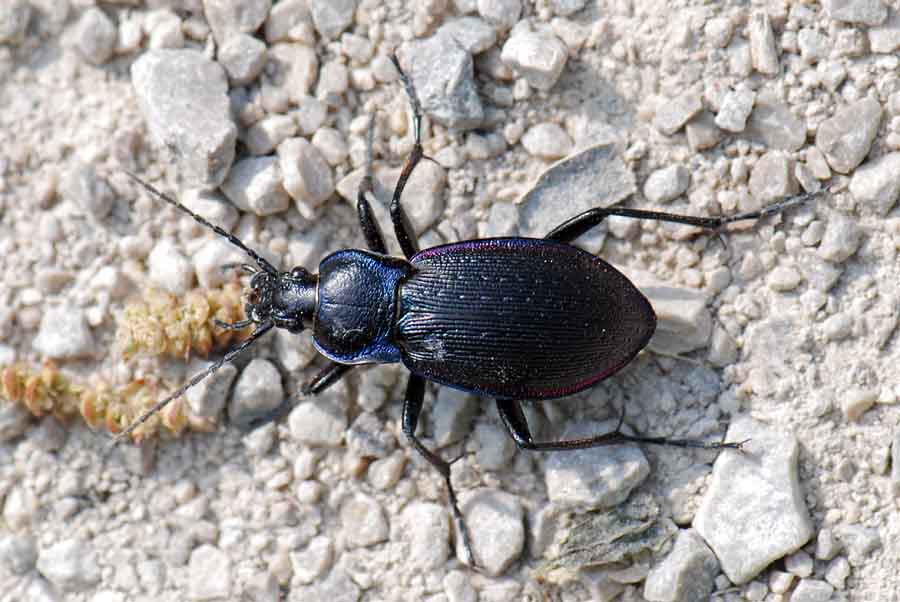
column 781, row 332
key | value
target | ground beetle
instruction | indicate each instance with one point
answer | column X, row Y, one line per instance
column 510, row 318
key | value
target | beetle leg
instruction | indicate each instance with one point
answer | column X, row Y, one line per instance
column 412, row 406
column 514, row 419
column 406, row 236
column 367, row 222
column 581, row 223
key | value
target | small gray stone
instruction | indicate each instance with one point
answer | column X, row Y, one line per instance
column 600, row 477
column 666, row 184
column 495, row 524
column 184, row 98
column 320, row 422
column 228, row 18
column 877, row 183
column 472, row 33
column 503, row 220
column 332, row 145
column 255, row 185
column 211, row 205
column 426, row 529
column 258, row 389
column 452, row 415
column 64, row 334
column 683, row 319
column 784, row 279
column 886, row 38
column 847, row 136
column 759, row 486
column 18, row 553
column 383, row 474
column 537, row 56
column 169, row 269
column 827, row 545
column 90, row 192
column 70, row 565
column 336, row 587
column 312, row 562
column 865, row 12
column 762, row 44
column 445, row 82
column 841, row 239
column 547, row 141
column 423, row 195
column 209, row 259
column 294, row 68
column 564, row 8
column 307, row 175
column 363, row 521
column 837, row 572
column 702, row 132
column 285, row 16
column 772, row 178
column 686, row 574
column 14, row 17
column 267, row 133
column 812, row 590
column 210, row 574
column 736, row 108
column 458, row 587
column 367, row 437
column 502, row 14
column 674, row 113
column 334, row 80
column 595, row 177
column 331, row 17
column 495, row 447
column 96, row 36
column 310, row 114
column 243, row 57
column 14, row 421
column 799, row 563
column 207, row 398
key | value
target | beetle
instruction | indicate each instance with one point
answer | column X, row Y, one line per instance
column 511, row 318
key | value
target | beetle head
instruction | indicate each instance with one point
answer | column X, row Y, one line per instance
column 285, row 299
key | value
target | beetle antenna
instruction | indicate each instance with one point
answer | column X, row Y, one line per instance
column 260, row 261
column 227, row 358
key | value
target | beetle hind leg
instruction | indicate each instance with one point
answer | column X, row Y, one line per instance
column 514, row 419
column 412, row 406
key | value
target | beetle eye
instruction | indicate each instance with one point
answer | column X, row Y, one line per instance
column 299, row 273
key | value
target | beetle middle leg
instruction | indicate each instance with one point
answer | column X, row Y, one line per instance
column 412, row 406
column 514, row 419
column 581, row 223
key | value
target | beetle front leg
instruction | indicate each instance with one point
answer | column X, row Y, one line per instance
column 514, row 419
column 367, row 222
column 412, row 406
column 406, row 236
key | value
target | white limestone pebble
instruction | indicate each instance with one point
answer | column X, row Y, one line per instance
column 857, row 401
column 243, row 57
column 876, row 183
column 228, row 18
column 70, row 565
column 472, row 33
column 207, row 398
column 308, row 177
column 774, row 125
column 600, row 477
column 736, row 108
column 64, row 334
column 184, row 99
column 286, row 18
column 294, row 68
column 841, row 239
column 169, row 269
column 762, row 44
column 96, row 36
column 772, row 178
column 452, row 415
column 363, row 521
column 209, row 259
column 331, row 17
column 812, row 590
column 495, row 522
column 536, row 56
column 847, row 136
column 502, row 14
column 90, row 191
column 863, row 12
column 885, row 38
column 426, row 528
column 14, row 18
column 258, row 389
column 311, row 563
column 210, row 574
column 319, row 422
column 18, row 553
column 666, row 184
column 255, row 185
column 267, row 133
column 686, row 573
column 673, row 113
column 759, row 486
column 547, row 140
column 332, row 144
column 14, row 421
column 784, row 279
column 683, row 319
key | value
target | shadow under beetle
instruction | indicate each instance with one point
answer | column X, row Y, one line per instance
column 510, row 318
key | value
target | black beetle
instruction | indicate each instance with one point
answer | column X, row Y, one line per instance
column 510, row 318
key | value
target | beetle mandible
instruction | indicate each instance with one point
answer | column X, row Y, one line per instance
column 510, row 318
